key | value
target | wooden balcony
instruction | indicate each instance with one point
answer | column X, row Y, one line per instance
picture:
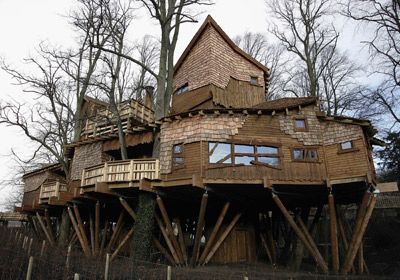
column 121, row 171
column 53, row 192
column 134, row 116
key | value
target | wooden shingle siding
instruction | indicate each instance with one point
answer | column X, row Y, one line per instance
column 86, row 156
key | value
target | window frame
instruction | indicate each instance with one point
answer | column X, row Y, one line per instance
column 300, row 129
column 175, row 155
column 179, row 90
column 254, row 80
column 306, row 150
column 255, row 154
column 352, row 149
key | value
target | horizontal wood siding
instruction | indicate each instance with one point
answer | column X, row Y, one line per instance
column 343, row 165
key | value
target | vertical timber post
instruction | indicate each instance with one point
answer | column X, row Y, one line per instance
column 334, row 233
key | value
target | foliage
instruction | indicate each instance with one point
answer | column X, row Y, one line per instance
column 390, row 156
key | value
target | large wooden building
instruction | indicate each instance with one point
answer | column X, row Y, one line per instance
column 237, row 174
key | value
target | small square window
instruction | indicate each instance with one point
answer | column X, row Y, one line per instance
column 177, row 156
column 182, row 89
column 298, row 154
column 300, row 123
column 254, row 80
column 346, row 145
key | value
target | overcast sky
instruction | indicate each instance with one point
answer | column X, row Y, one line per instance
column 26, row 23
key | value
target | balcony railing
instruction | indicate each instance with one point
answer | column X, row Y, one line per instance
column 133, row 114
column 51, row 188
column 121, row 171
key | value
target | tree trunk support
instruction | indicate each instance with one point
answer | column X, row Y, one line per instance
column 319, row 260
column 351, row 254
column 214, row 232
column 48, row 236
column 334, row 233
column 81, row 228
column 222, row 238
column 199, row 229
column 78, row 233
column 168, row 224
column 167, row 240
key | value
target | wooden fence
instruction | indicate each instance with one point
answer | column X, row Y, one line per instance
column 121, row 171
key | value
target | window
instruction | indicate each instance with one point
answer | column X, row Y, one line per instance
column 182, row 89
column 302, row 154
column 300, row 124
column 241, row 154
column 177, row 156
column 254, row 80
column 348, row 145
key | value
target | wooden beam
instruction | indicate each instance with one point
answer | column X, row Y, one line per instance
column 91, row 226
column 360, row 215
column 214, row 232
column 80, row 226
column 48, row 236
column 170, row 230
column 319, row 260
column 78, row 233
column 122, row 244
column 221, row 239
column 103, row 238
column 128, row 208
column 264, row 243
column 118, row 226
column 48, row 223
column 181, row 240
column 334, row 233
column 97, row 228
column 167, row 240
column 164, row 251
column 199, row 229
column 359, row 236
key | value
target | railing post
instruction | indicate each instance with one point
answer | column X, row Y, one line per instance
column 83, row 177
column 41, row 191
column 57, row 189
column 105, row 172
column 131, row 165
column 157, row 170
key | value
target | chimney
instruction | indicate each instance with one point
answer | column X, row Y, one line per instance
column 149, row 96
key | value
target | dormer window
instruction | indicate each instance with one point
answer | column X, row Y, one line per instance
column 254, row 80
column 182, row 89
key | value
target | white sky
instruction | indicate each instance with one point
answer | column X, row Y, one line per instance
column 25, row 23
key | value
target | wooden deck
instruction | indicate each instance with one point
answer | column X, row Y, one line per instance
column 134, row 115
column 121, row 171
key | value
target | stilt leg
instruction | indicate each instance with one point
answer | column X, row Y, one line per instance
column 334, row 233
column 80, row 226
column 97, row 228
column 199, row 229
column 78, row 233
column 122, row 244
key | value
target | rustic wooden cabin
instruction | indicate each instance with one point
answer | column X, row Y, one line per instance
column 236, row 176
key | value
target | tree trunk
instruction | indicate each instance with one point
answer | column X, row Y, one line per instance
column 64, row 229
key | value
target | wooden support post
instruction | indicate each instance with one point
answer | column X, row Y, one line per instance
column 78, row 233
column 222, row 238
column 97, row 228
column 103, row 238
column 128, row 208
column 181, row 240
column 76, row 276
column 30, row 268
column 30, row 246
column 43, row 247
column 107, row 267
column 168, row 224
column 91, row 227
column 122, row 244
column 309, row 238
column 81, row 228
column 167, row 240
column 164, row 251
column 214, row 232
column 44, row 229
column 334, row 233
column 199, row 229
column 48, row 223
column 360, row 262
column 264, row 243
column 169, row 272
column 319, row 260
column 351, row 254
column 68, row 257
column 115, row 233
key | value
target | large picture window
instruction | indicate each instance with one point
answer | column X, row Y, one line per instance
column 241, row 154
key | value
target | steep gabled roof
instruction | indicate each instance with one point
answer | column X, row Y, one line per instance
column 210, row 21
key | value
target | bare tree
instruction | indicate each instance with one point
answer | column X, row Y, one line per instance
column 271, row 55
column 304, row 32
column 383, row 18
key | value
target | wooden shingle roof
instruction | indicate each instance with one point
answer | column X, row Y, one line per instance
column 287, row 102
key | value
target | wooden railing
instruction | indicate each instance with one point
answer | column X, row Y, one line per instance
column 121, row 171
column 13, row 216
column 51, row 188
column 133, row 114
